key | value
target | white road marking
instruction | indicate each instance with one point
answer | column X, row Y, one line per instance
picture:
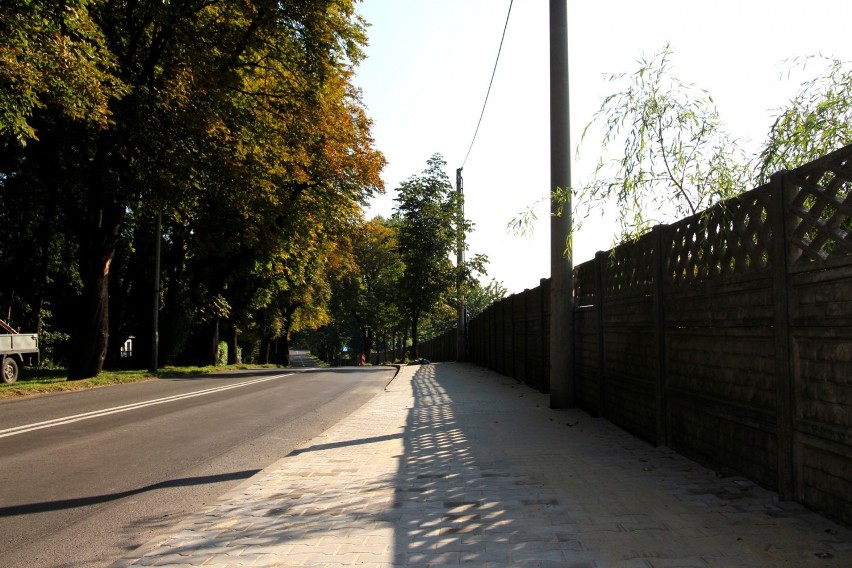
column 127, row 407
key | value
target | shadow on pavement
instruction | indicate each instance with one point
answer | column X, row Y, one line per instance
column 31, row 508
column 462, row 499
column 348, row 443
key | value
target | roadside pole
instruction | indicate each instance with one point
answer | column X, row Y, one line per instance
column 461, row 331
column 155, row 308
column 561, row 269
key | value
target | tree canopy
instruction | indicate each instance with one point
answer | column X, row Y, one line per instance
column 428, row 213
column 664, row 152
column 238, row 121
column 677, row 159
column 817, row 120
column 52, row 54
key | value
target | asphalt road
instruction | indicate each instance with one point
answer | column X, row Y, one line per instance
column 88, row 476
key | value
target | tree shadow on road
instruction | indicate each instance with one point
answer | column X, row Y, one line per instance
column 47, row 506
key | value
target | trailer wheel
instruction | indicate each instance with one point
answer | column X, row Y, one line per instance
column 10, row 370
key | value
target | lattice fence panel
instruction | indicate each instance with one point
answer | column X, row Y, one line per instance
column 629, row 269
column 584, row 283
column 819, row 214
column 732, row 238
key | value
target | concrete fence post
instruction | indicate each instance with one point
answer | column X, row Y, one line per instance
column 600, row 267
column 662, row 433
column 788, row 474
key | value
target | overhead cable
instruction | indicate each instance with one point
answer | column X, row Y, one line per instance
column 494, row 72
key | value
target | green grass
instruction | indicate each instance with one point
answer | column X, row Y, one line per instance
column 40, row 381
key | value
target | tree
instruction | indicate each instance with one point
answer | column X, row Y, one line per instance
column 426, row 213
column 676, row 159
column 817, row 121
column 481, row 297
column 374, row 287
column 232, row 118
column 52, row 54
column 443, row 317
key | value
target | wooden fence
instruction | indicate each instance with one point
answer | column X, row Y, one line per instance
column 726, row 336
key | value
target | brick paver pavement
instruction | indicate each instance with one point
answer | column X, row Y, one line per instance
column 454, row 465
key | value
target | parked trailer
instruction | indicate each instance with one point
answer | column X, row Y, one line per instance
column 16, row 349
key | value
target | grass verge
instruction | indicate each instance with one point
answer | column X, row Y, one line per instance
column 40, row 381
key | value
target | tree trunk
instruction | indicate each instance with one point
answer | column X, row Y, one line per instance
column 414, row 317
column 233, row 346
column 366, row 341
column 263, row 354
column 213, row 352
column 285, row 335
column 104, row 214
column 90, row 340
column 404, row 347
column 285, row 349
column 276, row 350
column 174, row 332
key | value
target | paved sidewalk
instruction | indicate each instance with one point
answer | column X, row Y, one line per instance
column 454, row 465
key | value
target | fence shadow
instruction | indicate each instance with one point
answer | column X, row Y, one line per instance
column 461, row 495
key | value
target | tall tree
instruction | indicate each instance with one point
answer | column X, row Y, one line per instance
column 426, row 213
column 374, row 288
column 225, row 115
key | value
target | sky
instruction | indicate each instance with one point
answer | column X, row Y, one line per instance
column 429, row 63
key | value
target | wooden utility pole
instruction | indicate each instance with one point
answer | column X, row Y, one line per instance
column 561, row 269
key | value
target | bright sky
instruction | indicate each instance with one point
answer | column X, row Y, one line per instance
column 429, row 63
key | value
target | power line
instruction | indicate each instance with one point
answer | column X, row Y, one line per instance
column 494, row 72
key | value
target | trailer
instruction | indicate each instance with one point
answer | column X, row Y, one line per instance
column 16, row 350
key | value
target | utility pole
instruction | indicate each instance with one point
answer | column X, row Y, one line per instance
column 461, row 327
column 561, row 268
column 155, row 309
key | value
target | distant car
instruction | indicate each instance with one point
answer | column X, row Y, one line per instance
column 16, row 350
